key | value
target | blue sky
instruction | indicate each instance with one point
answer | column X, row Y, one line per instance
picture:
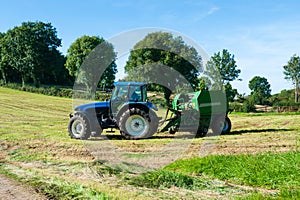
column 262, row 34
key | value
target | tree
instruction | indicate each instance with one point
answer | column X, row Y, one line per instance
column 222, row 69
column 260, row 89
column 292, row 72
column 81, row 49
column 56, row 72
column 284, row 98
column 2, row 68
column 27, row 48
column 160, row 57
column 204, row 83
column 230, row 92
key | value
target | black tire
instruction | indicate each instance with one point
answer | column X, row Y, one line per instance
column 172, row 130
column 227, row 127
column 78, row 128
column 201, row 132
column 137, row 123
column 221, row 125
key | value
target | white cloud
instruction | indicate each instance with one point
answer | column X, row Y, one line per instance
column 213, row 10
column 200, row 15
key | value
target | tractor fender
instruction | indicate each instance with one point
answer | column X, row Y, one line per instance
column 89, row 110
column 152, row 106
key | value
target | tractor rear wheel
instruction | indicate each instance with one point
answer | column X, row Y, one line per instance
column 137, row 123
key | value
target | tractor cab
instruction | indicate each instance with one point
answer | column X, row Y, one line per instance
column 127, row 93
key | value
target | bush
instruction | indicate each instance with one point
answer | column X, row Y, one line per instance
column 158, row 101
column 248, row 106
column 236, row 107
column 56, row 91
column 46, row 90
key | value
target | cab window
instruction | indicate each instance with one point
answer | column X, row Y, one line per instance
column 120, row 93
column 135, row 93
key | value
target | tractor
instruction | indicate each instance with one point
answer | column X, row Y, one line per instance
column 129, row 111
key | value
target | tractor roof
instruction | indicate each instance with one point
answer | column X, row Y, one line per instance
column 129, row 84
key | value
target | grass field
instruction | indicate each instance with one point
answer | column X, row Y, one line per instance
column 259, row 159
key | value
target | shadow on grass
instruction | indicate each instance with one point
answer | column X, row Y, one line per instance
column 239, row 132
column 258, row 131
column 120, row 137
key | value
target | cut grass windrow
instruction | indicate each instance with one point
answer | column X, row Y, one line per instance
column 271, row 171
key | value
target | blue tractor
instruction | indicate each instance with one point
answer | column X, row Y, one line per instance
column 127, row 110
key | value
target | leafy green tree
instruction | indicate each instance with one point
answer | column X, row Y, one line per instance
column 158, row 55
column 57, row 73
column 2, row 68
column 28, row 47
column 260, row 89
column 292, row 72
column 204, row 83
column 230, row 92
column 81, row 49
column 284, row 98
column 222, row 69
column 248, row 106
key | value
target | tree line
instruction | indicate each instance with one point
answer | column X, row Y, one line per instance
column 29, row 55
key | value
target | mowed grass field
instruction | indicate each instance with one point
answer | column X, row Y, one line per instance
column 258, row 160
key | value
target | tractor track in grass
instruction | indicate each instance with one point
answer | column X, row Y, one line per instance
column 11, row 189
column 108, row 182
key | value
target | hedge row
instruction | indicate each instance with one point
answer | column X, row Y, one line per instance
column 57, row 91
column 248, row 106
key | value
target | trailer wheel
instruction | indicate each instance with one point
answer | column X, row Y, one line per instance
column 173, row 130
column 201, row 132
column 136, row 123
column 221, row 125
column 78, row 127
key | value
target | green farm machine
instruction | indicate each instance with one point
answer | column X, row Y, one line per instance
column 197, row 112
column 130, row 111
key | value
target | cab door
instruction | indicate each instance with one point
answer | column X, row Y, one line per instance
column 119, row 97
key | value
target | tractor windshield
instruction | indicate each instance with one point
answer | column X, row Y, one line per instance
column 120, row 93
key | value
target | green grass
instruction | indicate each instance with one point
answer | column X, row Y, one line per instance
column 266, row 113
column 271, row 171
column 57, row 188
column 35, row 149
column 162, row 178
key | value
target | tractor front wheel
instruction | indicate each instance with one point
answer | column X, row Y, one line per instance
column 78, row 127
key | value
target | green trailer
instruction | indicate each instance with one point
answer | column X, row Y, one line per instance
column 198, row 112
